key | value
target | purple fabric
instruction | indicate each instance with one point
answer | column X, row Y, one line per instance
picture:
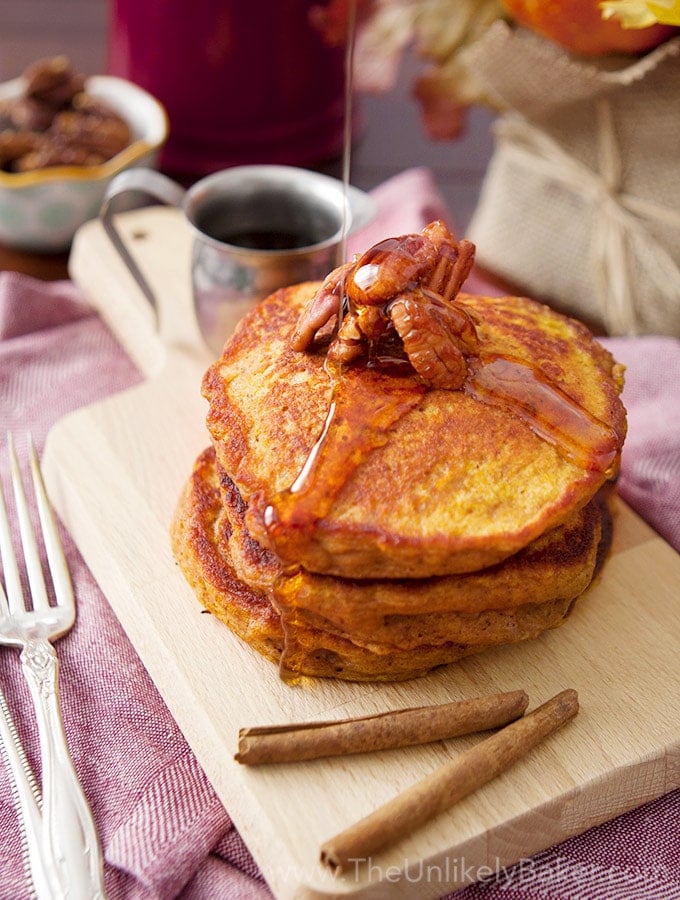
column 157, row 815
column 650, row 476
column 165, row 833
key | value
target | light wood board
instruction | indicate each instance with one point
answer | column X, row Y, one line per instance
column 115, row 471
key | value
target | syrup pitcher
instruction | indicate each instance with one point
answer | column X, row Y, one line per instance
column 255, row 229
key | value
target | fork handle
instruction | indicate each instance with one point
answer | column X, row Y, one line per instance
column 69, row 831
column 27, row 800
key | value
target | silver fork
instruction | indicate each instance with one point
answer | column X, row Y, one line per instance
column 69, row 842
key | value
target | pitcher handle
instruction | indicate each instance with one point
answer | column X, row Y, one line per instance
column 150, row 182
column 362, row 206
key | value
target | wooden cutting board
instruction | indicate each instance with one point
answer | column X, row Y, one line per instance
column 115, row 471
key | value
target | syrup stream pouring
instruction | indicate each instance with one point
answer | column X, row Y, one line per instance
column 347, row 127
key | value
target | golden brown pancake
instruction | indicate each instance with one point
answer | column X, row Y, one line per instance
column 200, row 552
column 371, row 630
column 449, row 481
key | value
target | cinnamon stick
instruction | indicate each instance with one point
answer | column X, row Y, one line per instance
column 432, row 795
column 402, row 728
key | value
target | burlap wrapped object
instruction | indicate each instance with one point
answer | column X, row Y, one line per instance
column 580, row 205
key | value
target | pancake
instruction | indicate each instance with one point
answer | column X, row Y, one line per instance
column 428, row 482
column 200, row 554
column 372, row 630
column 559, row 563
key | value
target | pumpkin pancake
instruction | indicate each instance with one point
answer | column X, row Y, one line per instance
column 412, row 481
column 372, row 630
column 199, row 551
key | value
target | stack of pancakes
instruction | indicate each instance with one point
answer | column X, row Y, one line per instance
column 349, row 536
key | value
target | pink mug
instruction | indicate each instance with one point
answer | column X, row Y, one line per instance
column 242, row 82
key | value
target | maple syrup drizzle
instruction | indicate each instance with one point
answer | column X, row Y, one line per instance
column 521, row 389
column 366, row 403
column 362, row 411
column 347, row 122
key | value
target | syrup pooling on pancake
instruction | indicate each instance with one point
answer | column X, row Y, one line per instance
column 551, row 414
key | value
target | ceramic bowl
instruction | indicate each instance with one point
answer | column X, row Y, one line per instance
column 41, row 210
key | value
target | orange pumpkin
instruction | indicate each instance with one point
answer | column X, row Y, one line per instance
column 578, row 26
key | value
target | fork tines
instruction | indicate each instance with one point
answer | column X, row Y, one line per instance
column 55, row 555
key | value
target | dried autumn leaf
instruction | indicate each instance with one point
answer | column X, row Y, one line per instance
column 445, row 94
column 380, row 44
column 439, row 29
column 442, row 28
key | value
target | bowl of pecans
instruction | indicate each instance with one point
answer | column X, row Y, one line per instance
column 62, row 139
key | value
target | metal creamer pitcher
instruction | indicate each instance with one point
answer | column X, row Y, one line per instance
column 256, row 229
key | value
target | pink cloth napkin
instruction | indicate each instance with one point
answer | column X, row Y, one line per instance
column 164, row 832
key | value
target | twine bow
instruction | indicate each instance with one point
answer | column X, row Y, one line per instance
column 622, row 248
